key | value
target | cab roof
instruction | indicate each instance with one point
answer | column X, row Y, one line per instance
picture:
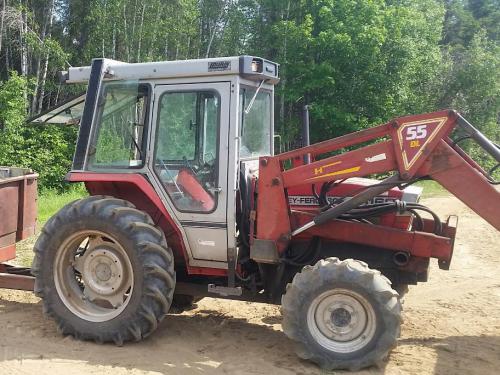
column 249, row 67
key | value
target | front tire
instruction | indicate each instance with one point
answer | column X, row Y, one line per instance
column 342, row 314
column 104, row 271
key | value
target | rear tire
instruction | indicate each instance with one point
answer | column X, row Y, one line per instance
column 342, row 314
column 104, row 271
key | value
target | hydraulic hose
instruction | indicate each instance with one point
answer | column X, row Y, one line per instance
column 357, row 209
column 372, row 210
column 354, row 202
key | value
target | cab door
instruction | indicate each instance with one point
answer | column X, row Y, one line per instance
column 191, row 153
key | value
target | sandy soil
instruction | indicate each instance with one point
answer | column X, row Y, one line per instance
column 452, row 326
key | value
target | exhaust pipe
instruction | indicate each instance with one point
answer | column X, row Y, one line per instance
column 401, row 258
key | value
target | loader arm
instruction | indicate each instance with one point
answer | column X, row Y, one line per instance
column 413, row 147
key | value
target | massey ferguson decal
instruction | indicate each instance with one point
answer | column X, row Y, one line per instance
column 309, row 200
column 414, row 136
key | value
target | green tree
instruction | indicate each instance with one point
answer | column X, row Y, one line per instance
column 360, row 63
column 357, row 63
column 473, row 88
column 45, row 149
column 12, row 116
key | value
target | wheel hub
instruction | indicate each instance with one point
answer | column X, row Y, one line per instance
column 102, row 270
column 341, row 320
column 341, row 317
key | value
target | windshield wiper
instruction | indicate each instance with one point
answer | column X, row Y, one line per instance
column 133, row 138
column 253, row 98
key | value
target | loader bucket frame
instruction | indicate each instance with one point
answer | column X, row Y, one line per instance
column 413, row 147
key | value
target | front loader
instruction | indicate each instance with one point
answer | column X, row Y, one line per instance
column 188, row 201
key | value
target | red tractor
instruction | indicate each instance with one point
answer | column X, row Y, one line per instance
column 187, row 200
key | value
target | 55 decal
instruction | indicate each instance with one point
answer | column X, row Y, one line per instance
column 414, row 133
column 414, row 136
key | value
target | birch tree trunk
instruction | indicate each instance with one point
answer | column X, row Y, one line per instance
column 222, row 32
column 57, row 94
column 212, row 35
column 152, row 42
column 132, row 35
column 139, row 42
column 7, row 60
column 200, row 35
column 214, row 31
column 46, row 61
column 114, row 40
column 103, row 33
column 34, row 101
column 42, row 85
column 24, row 47
column 37, row 86
column 2, row 18
column 125, row 32
column 23, row 30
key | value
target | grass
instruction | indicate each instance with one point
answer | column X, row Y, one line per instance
column 432, row 189
column 49, row 202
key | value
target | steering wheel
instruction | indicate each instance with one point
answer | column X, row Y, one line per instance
column 203, row 173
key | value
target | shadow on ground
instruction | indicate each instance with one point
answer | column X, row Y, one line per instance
column 204, row 342
column 210, row 342
column 461, row 354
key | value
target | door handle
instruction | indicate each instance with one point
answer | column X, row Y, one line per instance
column 215, row 190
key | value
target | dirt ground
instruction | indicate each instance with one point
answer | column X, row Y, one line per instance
column 452, row 326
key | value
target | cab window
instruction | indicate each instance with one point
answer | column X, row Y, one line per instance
column 255, row 123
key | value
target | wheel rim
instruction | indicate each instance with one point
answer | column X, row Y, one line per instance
column 93, row 276
column 341, row 320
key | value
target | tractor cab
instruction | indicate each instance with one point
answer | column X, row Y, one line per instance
column 189, row 127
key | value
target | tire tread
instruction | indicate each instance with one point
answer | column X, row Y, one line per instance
column 151, row 246
column 348, row 270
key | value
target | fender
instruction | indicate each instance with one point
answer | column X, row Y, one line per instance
column 137, row 189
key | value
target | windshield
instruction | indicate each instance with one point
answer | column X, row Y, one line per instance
column 256, row 124
column 120, row 123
